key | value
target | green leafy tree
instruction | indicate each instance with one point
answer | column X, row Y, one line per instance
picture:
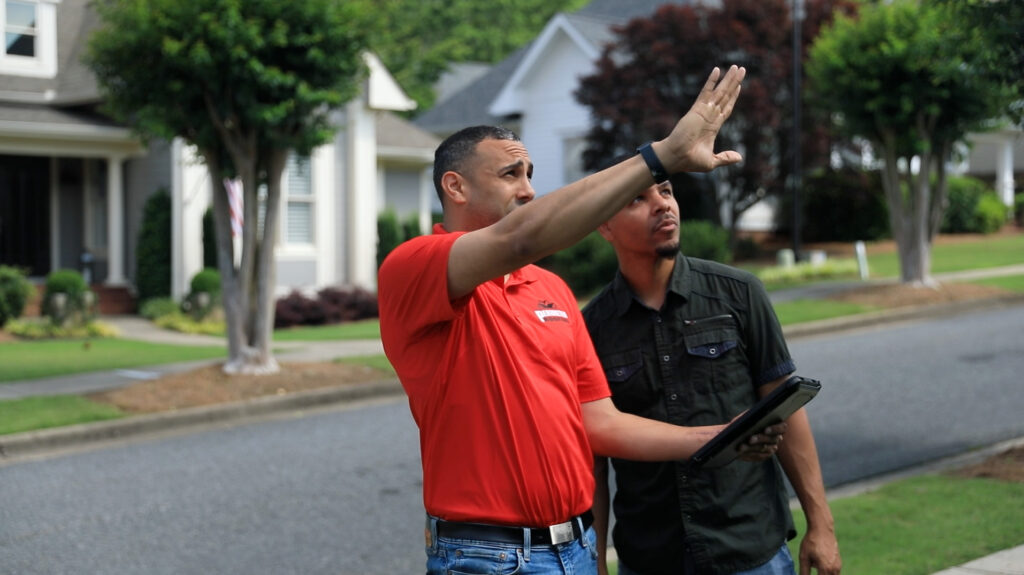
column 418, row 39
column 913, row 80
column 647, row 78
column 245, row 82
column 1002, row 23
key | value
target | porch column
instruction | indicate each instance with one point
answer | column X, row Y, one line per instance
column 1004, row 171
column 361, row 189
column 426, row 200
column 115, row 221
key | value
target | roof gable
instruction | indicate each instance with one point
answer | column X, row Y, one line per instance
column 508, row 100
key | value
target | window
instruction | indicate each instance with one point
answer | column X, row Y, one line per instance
column 20, row 28
column 30, row 37
column 299, row 201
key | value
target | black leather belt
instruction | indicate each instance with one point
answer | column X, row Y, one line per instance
column 563, row 532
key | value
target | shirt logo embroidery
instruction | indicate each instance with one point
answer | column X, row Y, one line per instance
column 546, row 312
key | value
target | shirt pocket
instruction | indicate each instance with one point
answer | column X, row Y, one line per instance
column 715, row 360
column 632, row 391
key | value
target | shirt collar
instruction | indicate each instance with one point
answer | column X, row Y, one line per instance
column 680, row 283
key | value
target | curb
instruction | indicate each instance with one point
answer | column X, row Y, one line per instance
column 898, row 314
column 31, row 443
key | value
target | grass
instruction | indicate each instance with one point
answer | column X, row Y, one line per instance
column 378, row 361
column 1009, row 283
column 925, row 524
column 922, row 525
column 36, row 359
column 32, row 413
column 804, row 310
column 954, row 257
column 365, row 329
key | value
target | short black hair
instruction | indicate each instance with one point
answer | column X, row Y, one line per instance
column 453, row 152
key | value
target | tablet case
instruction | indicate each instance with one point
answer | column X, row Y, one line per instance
column 773, row 408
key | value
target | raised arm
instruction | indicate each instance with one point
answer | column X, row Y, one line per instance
column 563, row 217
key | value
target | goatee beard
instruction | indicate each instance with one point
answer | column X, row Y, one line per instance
column 667, row 251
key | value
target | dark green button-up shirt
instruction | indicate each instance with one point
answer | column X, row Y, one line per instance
column 697, row 361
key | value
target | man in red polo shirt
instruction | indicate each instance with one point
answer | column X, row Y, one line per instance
column 502, row 378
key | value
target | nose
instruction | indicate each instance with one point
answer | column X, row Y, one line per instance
column 526, row 192
column 661, row 203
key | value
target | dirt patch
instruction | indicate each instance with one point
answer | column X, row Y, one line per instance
column 210, row 385
column 899, row 295
column 1007, row 465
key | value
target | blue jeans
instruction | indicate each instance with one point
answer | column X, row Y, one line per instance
column 471, row 557
column 780, row 564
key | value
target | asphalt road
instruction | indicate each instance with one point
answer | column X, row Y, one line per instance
column 339, row 491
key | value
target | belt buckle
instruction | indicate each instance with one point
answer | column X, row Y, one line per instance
column 561, row 533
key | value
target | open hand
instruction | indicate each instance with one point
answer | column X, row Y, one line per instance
column 691, row 145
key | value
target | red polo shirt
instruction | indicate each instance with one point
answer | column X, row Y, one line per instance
column 495, row 381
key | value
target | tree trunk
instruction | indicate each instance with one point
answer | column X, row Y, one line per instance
column 909, row 212
column 230, row 289
column 266, row 266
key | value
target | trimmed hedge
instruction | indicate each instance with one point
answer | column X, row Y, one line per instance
column 153, row 257
column 15, row 291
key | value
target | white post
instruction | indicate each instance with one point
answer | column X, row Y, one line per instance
column 862, row 259
column 1004, row 171
column 115, row 222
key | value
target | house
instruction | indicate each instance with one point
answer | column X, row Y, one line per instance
column 73, row 183
column 531, row 92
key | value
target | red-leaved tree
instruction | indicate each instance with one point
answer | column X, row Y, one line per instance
column 648, row 77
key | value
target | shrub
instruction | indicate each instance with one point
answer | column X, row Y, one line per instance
column 15, row 291
column 807, row 271
column 67, row 300
column 586, row 266
column 746, row 249
column 209, row 240
column 972, row 207
column 157, row 307
column 841, row 206
column 347, row 304
column 153, row 257
column 1018, row 209
column 331, row 305
column 297, row 309
column 990, row 214
column 411, row 226
column 705, row 240
column 206, row 280
column 204, row 294
column 389, row 234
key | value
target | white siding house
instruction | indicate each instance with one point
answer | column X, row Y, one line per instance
column 73, row 183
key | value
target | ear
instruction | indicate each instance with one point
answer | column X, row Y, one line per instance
column 605, row 231
column 453, row 186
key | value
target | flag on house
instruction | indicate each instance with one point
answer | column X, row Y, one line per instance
column 234, row 190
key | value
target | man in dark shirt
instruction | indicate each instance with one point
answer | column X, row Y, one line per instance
column 694, row 342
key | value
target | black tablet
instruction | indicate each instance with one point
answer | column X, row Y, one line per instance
column 773, row 408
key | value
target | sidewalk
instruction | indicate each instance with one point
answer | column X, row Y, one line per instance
column 1007, row 562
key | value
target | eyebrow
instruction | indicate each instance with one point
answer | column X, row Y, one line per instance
column 516, row 164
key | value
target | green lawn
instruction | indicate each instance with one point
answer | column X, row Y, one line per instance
column 35, row 359
column 953, row 257
column 33, row 413
column 925, row 524
column 365, row 329
column 804, row 310
column 1009, row 283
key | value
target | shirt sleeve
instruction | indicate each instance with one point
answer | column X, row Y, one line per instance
column 412, row 294
column 769, row 354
